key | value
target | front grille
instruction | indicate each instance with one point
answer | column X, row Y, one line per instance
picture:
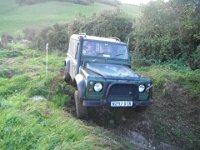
column 123, row 92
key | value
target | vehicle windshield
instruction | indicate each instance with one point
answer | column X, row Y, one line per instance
column 105, row 49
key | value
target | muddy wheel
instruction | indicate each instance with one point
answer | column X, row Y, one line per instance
column 81, row 111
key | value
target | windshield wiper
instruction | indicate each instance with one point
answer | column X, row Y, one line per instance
column 119, row 54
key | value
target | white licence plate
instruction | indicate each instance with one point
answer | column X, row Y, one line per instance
column 121, row 103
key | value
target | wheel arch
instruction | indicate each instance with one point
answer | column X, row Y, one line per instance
column 67, row 64
column 80, row 85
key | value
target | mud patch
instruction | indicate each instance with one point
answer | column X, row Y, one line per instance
column 171, row 123
column 176, row 117
column 129, row 124
column 139, row 140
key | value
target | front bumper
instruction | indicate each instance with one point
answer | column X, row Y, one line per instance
column 93, row 103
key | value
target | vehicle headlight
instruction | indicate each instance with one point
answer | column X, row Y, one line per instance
column 141, row 88
column 98, row 87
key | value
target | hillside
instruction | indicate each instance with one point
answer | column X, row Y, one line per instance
column 14, row 18
column 37, row 107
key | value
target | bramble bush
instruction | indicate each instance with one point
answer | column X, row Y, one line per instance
column 106, row 24
column 194, row 61
column 169, row 31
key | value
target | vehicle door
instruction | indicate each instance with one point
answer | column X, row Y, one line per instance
column 74, row 60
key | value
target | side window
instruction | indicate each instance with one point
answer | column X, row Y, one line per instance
column 70, row 47
column 76, row 52
column 73, row 47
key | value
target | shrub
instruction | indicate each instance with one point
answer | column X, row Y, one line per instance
column 109, row 24
column 168, row 31
column 30, row 33
column 5, row 39
column 194, row 61
column 106, row 24
column 57, row 37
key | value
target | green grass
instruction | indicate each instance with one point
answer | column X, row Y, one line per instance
column 28, row 124
column 39, row 125
column 7, row 6
column 162, row 74
column 132, row 10
column 14, row 18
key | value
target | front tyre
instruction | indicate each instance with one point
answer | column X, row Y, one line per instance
column 81, row 111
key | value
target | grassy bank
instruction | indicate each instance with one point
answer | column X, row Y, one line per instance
column 175, row 112
column 169, row 73
column 27, row 122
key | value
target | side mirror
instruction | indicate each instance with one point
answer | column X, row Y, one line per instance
column 130, row 56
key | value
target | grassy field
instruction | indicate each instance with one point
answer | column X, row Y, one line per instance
column 169, row 73
column 26, row 123
column 14, row 18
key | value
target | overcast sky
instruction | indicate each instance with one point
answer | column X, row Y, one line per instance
column 136, row 2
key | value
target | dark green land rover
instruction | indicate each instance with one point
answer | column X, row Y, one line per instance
column 100, row 68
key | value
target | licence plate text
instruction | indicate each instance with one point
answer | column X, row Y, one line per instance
column 121, row 103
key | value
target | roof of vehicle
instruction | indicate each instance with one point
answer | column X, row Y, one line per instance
column 88, row 37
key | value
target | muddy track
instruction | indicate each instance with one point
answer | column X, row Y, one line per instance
column 155, row 127
column 130, row 125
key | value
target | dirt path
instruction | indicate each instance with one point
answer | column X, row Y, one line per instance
column 171, row 123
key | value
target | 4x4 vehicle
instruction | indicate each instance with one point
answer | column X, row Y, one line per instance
column 100, row 68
